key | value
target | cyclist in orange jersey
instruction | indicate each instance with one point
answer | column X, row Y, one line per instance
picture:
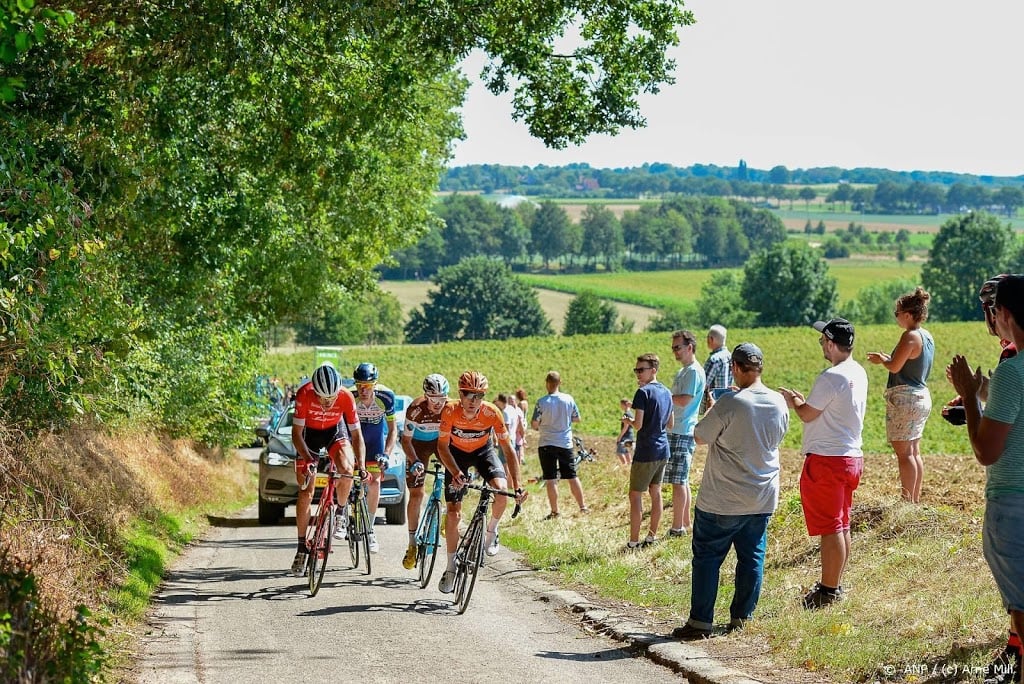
column 464, row 441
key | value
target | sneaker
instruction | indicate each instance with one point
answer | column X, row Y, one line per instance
column 447, row 583
column 491, row 545
column 819, row 597
column 633, row 546
column 409, row 562
column 650, row 539
column 340, row 527
column 681, row 532
column 299, row 564
column 550, row 516
column 689, row 632
column 374, row 546
column 1004, row 668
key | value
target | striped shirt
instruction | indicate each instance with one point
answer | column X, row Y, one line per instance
column 1006, row 405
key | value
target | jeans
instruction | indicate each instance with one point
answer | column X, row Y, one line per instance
column 713, row 535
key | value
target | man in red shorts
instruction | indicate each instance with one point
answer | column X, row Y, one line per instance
column 464, row 441
column 833, row 417
column 320, row 408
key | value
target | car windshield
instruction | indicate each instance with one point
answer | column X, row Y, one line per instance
column 284, row 427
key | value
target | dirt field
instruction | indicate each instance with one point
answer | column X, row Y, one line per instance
column 575, row 211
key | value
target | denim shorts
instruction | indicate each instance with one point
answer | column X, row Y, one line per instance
column 1001, row 542
column 680, row 450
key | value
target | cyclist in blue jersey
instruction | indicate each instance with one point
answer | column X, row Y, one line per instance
column 375, row 407
column 419, row 441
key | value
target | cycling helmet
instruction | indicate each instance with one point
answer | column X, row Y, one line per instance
column 473, row 381
column 435, row 384
column 365, row 372
column 326, row 381
column 987, row 296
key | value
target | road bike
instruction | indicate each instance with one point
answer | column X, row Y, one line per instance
column 359, row 524
column 429, row 530
column 581, row 453
column 320, row 530
column 469, row 555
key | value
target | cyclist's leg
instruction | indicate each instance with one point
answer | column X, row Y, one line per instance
column 305, row 498
column 415, row 483
column 490, row 467
column 373, row 491
column 344, row 459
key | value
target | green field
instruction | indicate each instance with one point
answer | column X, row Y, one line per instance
column 872, row 222
column 597, row 370
column 661, row 288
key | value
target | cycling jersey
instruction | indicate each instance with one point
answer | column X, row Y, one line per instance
column 311, row 414
column 376, row 419
column 471, row 434
column 422, row 422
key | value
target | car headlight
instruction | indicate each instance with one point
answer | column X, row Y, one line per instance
column 274, row 459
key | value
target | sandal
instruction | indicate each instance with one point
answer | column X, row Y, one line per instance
column 584, row 510
column 550, row 516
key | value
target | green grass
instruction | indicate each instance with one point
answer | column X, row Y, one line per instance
column 912, row 222
column 664, row 288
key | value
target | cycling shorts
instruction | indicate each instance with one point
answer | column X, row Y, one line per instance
column 484, row 460
column 334, row 439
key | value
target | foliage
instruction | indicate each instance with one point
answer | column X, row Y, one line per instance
column 788, row 285
column 375, row 319
column 874, row 303
column 968, row 250
column 588, row 314
column 721, row 302
column 477, row 299
column 677, row 316
column 35, row 643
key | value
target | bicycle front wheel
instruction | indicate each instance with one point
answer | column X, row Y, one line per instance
column 426, row 554
column 469, row 565
column 353, row 535
column 365, row 527
column 321, row 548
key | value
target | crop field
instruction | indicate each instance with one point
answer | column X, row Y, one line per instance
column 796, row 218
column 597, row 370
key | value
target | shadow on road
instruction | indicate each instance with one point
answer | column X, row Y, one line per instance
column 608, row 654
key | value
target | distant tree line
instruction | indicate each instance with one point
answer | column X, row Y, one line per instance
column 886, row 191
column 671, row 234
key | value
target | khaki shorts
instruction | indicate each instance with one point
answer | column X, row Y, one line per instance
column 643, row 474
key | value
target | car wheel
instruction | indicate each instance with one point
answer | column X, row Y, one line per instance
column 270, row 513
column 395, row 513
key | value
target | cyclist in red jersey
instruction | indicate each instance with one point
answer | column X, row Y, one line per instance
column 464, row 441
column 320, row 408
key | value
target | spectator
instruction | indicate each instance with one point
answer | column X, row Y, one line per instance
column 718, row 367
column 687, row 392
column 624, row 443
column 907, row 401
column 553, row 417
column 652, row 407
column 833, row 417
column 738, row 493
column 524, row 410
column 998, row 442
column 513, row 419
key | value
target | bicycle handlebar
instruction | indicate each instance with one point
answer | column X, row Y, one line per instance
column 502, row 492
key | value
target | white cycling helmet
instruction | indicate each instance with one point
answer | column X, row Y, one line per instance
column 436, row 385
column 326, row 381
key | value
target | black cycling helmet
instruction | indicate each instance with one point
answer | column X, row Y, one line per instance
column 365, row 372
column 326, row 381
column 987, row 296
column 435, row 385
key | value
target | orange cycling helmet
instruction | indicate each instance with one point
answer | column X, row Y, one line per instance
column 473, row 381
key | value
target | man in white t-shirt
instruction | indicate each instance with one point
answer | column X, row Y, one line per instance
column 514, row 420
column 833, row 418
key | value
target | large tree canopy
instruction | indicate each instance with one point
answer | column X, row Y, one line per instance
column 180, row 175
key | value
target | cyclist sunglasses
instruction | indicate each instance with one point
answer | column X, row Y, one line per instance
column 471, row 395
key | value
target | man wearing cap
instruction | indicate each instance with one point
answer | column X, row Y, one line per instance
column 738, row 493
column 833, row 417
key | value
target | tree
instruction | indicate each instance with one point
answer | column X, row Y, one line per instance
column 376, row 319
column 721, row 301
column 874, row 302
column 968, row 250
column 1010, row 198
column 478, row 299
column 778, row 175
column 807, row 194
column 588, row 314
column 602, row 234
column 788, row 285
column 551, row 234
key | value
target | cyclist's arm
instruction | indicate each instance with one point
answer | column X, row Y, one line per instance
column 410, row 453
column 358, row 447
column 392, row 438
column 446, row 457
column 299, row 440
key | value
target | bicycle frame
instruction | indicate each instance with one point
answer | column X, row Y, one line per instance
column 469, row 555
column 581, row 453
column 428, row 531
column 358, row 524
column 320, row 531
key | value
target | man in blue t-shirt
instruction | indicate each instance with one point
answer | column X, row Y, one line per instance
column 652, row 417
column 553, row 416
column 687, row 392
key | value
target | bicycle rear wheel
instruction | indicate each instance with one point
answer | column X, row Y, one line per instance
column 321, row 548
column 353, row 536
column 364, row 531
column 469, row 565
column 426, row 554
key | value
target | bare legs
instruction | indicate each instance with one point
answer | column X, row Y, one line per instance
column 636, row 511
column 681, row 507
column 908, row 455
column 835, row 552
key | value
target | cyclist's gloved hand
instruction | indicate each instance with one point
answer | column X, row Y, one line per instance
column 458, row 481
column 364, row 474
column 382, row 461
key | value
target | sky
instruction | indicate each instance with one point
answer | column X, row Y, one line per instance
column 899, row 84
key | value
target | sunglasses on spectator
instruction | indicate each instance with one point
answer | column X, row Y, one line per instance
column 471, row 395
column 638, row 371
column 677, row 347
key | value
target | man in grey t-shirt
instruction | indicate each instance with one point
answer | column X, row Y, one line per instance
column 739, row 492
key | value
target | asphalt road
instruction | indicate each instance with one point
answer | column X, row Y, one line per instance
column 229, row 611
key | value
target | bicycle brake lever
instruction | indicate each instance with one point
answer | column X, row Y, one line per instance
column 515, row 511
